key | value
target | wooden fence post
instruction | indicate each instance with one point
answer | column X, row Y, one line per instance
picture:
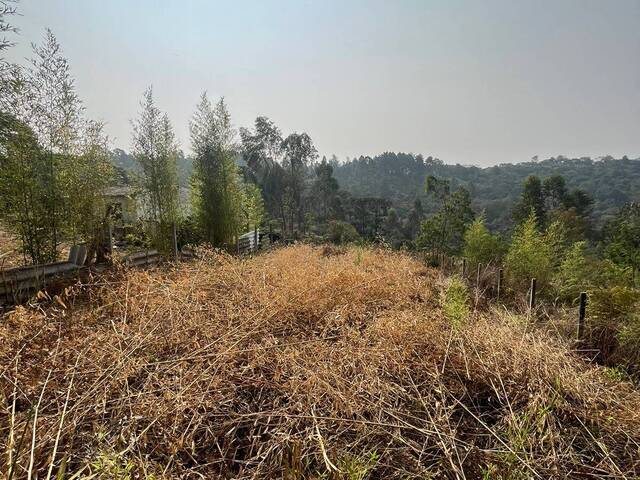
column 532, row 295
column 499, row 285
column 581, row 314
column 464, row 266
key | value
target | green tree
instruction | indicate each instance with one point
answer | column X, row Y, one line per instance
column 392, row 229
column 155, row 150
column 55, row 167
column 252, row 206
column 263, row 152
column 23, row 189
column 299, row 151
column 216, row 190
column 444, row 231
column 324, row 189
column 532, row 198
column 414, row 219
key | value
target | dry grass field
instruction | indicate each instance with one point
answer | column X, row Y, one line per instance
column 301, row 363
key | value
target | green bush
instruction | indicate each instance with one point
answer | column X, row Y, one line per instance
column 613, row 321
column 533, row 254
column 342, row 232
column 480, row 246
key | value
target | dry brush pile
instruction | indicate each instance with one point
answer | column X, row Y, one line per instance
column 300, row 363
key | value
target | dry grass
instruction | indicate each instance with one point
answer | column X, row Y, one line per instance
column 301, row 363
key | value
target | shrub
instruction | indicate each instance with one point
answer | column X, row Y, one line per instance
column 614, row 324
column 342, row 232
column 574, row 274
column 533, row 254
column 480, row 246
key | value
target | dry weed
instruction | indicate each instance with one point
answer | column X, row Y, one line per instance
column 301, row 363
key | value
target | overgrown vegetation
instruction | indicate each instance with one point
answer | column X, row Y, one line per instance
column 351, row 371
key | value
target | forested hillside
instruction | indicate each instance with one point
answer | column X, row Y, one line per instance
column 400, row 177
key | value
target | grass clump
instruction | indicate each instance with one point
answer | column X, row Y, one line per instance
column 456, row 301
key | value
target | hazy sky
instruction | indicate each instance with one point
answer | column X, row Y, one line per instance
column 474, row 82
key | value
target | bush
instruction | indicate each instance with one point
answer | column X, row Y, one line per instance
column 574, row 274
column 579, row 272
column 533, row 254
column 614, row 324
column 480, row 246
column 342, row 232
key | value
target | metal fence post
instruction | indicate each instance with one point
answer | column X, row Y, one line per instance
column 532, row 295
column 581, row 315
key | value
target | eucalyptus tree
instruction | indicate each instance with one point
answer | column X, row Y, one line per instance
column 299, row 152
column 263, row 152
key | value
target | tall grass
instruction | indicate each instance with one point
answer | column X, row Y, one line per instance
column 301, row 363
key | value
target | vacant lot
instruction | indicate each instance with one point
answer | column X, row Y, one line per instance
column 300, row 363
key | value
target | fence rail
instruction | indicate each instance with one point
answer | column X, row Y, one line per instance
column 17, row 284
column 248, row 243
column 143, row 259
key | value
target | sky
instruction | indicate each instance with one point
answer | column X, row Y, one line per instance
column 470, row 82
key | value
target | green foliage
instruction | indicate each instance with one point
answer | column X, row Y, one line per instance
column 574, row 274
column 392, row 229
column 324, row 190
column 531, row 199
column 55, row 163
column 357, row 467
column 480, row 246
column 24, row 191
column 533, row 254
column 342, row 232
column 155, row 150
column 614, row 324
column 252, row 206
column 623, row 237
column 86, row 181
column 444, row 231
column 400, row 177
column 217, row 195
column 299, row 152
column 456, row 301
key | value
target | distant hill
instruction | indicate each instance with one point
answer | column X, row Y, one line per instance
column 400, row 178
